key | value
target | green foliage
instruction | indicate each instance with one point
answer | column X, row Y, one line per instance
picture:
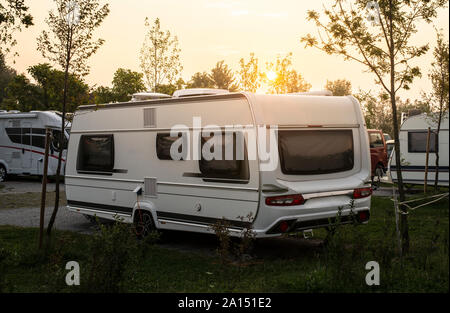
column 222, row 77
column 287, row 79
column 250, row 76
column 125, row 83
column 13, row 16
column 114, row 250
column 200, row 80
column 6, row 75
column 378, row 111
column 169, row 89
column 21, row 95
column 51, row 84
column 339, row 87
column 160, row 56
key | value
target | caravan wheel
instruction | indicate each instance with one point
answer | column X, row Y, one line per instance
column 143, row 223
column 3, row 173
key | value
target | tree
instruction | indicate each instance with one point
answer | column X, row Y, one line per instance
column 6, row 75
column 51, row 88
column 103, row 94
column 339, row 87
column 286, row 79
column 160, row 56
column 250, row 76
column 21, row 95
column 222, row 77
column 125, row 83
column 69, row 44
column 13, row 16
column 383, row 47
column 439, row 98
column 200, row 80
column 378, row 112
column 169, row 89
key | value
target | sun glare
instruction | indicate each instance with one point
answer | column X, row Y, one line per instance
column 271, row 75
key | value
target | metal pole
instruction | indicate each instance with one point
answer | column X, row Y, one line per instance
column 44, row 186
column 426, row 161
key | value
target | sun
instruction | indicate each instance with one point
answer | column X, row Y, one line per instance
column 271, row 75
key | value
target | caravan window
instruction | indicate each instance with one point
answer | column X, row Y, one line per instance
column 164, row 142
column 232, row 163
column 310, row 152
column 417, row 141
column 96, row 153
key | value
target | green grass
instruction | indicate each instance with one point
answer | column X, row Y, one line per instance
column 338, row 268
column 28, row 200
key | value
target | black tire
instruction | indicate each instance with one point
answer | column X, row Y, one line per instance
column 143, row 223
column 3, row 173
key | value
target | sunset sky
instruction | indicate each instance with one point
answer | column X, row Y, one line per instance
column 213, row 30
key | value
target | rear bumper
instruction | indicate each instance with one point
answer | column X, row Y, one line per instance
column 312, row 221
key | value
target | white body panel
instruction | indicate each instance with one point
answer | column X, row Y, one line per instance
column 413, row 163
column 22, row 138
column 188, row 202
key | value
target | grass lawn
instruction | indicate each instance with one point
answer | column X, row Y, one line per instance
column 338, row 267
column 29, row 200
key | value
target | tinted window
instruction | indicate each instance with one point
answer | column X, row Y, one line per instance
column 232, row 164
column 56, row 137
column 417, row 142
column 309, row 152
column 96, row 153
column 164, row 143
column 376, row 140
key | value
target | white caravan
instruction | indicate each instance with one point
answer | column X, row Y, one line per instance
column 413, row 143
column 144, row 162
column 22, row 143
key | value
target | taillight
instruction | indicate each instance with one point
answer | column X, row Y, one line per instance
column 363, row 216
column 285, row 200
column 362, row 193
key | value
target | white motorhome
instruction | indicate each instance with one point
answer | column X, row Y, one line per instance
column 22, row 143
column 121, row 162
column 413, row 146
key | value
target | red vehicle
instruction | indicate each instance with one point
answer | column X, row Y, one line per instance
column 378, row 152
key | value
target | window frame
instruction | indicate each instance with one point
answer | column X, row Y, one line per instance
column 433, row 133
column 244, row 168
column 83, row 170
column 285, row 171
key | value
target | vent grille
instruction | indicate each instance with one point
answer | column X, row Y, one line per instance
column 150, row 187
column 150, row 117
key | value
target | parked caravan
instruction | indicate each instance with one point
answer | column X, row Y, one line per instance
column 413, row 146
column 22, row 143
column 280, row 163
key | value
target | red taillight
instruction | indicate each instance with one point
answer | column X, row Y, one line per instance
column 285, row 200
column 284, row 226
column 363, row 216
column 362, row 193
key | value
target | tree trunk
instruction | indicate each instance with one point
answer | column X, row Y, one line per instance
column 61, row 137
column 436, row 148
column 404, row 219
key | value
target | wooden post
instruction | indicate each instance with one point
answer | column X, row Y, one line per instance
column 44, row 186
column 426, row 161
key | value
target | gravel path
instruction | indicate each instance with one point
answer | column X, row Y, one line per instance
column 29, row 217
column 25, row 184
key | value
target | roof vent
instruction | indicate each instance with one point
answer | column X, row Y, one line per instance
column 313, row 93
column 198, row 92
column 141, row 96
